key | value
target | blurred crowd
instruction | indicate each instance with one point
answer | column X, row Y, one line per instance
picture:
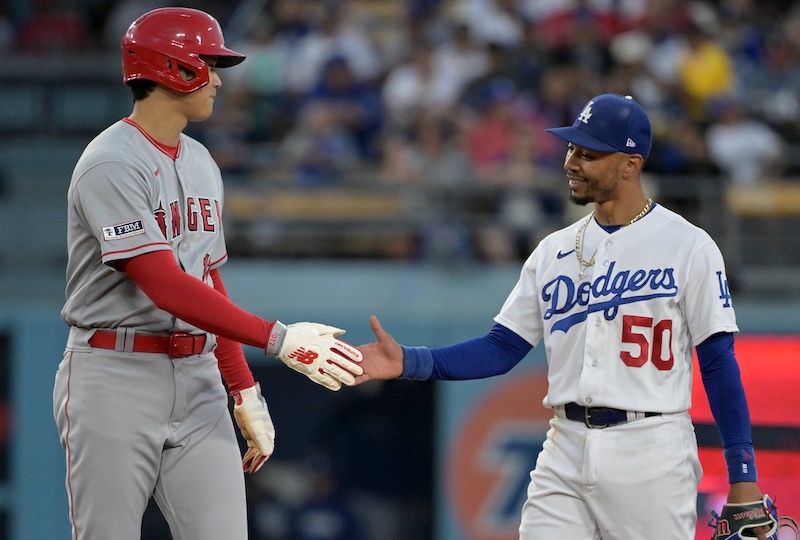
column 454, row 94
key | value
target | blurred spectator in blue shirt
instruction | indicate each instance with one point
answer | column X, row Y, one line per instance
column 325, row 514
column 772, row 89
column 335, row 32
column 319, row 150
column 355, row 105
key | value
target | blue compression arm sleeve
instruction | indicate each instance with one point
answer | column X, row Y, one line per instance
column 493, row 354
column 723, row 384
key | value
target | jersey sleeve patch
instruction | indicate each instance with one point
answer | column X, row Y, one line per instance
column 123, row 230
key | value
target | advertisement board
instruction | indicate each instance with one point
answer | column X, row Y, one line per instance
column 492, row 430
column 770, row 367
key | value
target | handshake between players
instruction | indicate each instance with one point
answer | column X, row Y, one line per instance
column 309, row 348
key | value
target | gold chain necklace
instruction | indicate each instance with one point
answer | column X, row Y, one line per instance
column 586, row 264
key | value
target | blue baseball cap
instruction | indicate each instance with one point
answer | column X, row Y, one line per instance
column 610, row 123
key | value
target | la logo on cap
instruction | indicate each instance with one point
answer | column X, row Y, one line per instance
column 610, row 123
column 586, row 113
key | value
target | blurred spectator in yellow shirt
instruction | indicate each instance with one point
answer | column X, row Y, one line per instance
column 706, row 71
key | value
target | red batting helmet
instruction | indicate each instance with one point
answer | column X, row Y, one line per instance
column 162, row 40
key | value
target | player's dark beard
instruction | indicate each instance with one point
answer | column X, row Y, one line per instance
column 597, row 193
column 581, row 201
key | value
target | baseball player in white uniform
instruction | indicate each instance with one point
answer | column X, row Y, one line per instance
column 139, row 399
column 621, row 298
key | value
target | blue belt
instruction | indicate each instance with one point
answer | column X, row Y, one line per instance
column 599, row 417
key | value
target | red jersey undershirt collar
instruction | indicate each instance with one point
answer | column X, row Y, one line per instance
column 171, row 151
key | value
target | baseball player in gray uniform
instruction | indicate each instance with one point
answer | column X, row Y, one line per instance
column 621, row 298
column 139, row 398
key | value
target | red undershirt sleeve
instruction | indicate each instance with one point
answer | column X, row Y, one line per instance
column 230, row 356
column 189, row 299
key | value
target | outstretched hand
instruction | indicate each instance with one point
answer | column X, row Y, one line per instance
column 382, row 359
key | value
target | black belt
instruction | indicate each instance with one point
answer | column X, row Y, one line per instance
column 599, row 417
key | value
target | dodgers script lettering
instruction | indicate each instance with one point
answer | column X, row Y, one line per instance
column 606, row 293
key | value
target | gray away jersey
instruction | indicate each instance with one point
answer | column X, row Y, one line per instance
column 127, row 198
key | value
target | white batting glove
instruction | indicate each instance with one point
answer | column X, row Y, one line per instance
column 313, row 350
column 252, row 417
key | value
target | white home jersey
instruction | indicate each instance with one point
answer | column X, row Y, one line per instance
column 622, row 335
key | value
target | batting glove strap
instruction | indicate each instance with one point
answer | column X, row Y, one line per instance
column 741, row 463
column 277, row 334
column 417, row 363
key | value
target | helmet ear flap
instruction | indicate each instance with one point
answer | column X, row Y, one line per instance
column 157, row 67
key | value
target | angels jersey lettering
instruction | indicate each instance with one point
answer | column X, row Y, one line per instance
column 128, row 193
column 202, row 215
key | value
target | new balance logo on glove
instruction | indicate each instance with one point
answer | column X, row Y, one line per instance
column 303, row 356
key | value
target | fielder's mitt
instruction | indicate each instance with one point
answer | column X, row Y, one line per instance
column 737, row 521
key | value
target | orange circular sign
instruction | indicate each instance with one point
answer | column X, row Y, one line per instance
column 492, row 453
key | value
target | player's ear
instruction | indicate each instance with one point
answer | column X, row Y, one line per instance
column 633, row 164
